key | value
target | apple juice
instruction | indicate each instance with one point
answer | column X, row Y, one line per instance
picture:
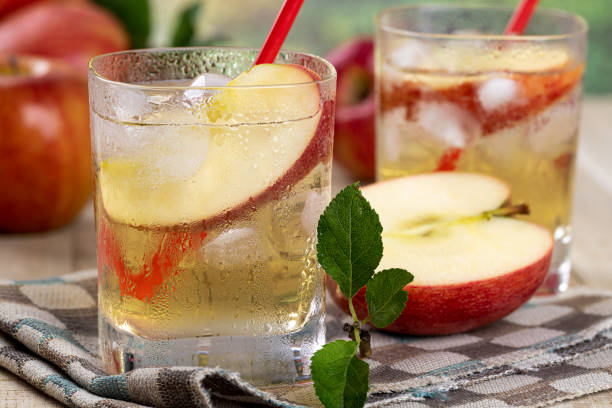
column 257, row 274
column 511, row 112
column 208, row 193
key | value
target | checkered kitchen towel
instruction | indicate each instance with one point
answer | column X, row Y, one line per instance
column 550, row 350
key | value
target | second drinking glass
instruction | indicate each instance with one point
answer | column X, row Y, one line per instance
column 455, row 94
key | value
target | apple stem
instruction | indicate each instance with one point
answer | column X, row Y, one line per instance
column 509, row 211
column 362, row 337
column 14, row 65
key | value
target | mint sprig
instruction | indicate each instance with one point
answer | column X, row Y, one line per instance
column 350, row 248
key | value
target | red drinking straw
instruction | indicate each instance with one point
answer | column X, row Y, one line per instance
column 520, row 18
column 278, row 32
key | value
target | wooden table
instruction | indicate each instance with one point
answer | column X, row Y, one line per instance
column 72, row 248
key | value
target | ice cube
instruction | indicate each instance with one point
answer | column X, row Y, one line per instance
column 497, row 92
column 133, row 105
column 129, row 104
column 234, row 248
column 553, row 132
column 448, row 123
column 114, row 140
column 315, row 204
column 409, row 55
column 392, row 123
column 177, row 153
column 205, row 80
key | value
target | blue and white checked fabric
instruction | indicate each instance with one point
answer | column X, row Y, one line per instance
column 550, row 350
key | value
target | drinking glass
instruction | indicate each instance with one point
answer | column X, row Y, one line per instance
column 207, row 198
column 453, row 94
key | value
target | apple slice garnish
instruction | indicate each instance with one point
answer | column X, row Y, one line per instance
column 471, row 265
column 259, row 139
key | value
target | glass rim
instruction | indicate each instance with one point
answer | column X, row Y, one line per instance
column 148, row 87
column 581, row 22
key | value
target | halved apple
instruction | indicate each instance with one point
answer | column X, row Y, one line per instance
column 470, row 266
column 257, row 138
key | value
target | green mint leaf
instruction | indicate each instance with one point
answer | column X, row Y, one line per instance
column 135, row 16
column 386, row 296
column 186, row 26
column 349, row 244
column 340, row 378
column 357, row 383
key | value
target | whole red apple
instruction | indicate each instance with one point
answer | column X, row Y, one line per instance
column 354, row 128
column 73, row 32
column 45, row 153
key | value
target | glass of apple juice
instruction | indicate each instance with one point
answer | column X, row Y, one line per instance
column 210, row 176
column 455, row 94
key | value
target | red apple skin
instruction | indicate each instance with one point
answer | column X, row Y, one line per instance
column 8, row 6
column 449, row 309
column 72, row 32
column 45, row 154
column 355, row 118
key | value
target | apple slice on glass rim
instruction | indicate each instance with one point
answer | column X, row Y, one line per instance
column 470, row 266
column 263, row 137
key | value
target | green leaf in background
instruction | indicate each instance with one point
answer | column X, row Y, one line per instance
column 386, row 296
column 186, row 26
column 349, row 244
column 340, row 378
column 135, row 16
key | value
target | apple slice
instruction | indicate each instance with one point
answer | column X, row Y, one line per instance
column 470, row 266
column 497, row 89
column 258, row 139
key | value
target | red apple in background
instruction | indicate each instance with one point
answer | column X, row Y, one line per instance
column 469, row 268
column 73, row 32
column 355, row 113
column 44, row 144
column 8, row 6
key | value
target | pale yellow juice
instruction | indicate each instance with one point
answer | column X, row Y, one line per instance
column 512, row 113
